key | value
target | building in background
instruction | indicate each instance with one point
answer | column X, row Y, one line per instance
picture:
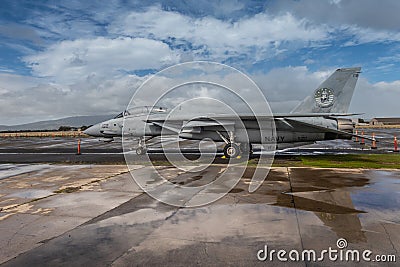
column 384, row 122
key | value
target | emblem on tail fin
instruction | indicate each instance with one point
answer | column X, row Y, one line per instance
column 333, row 95
column 324, row 97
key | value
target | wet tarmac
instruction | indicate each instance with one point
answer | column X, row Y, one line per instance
column 94, row 150
column 95, row 215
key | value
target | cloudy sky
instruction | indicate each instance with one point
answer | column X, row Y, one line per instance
column 67, row 58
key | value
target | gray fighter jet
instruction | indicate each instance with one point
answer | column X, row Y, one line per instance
column 320, row 116
column 107, row 130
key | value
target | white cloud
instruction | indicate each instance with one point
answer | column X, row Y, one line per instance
column 284, row 88
column 388, row 86
column 85, row 74
column 361, row 35
column 15, row 83
column 366, row 22
column 25, row 99
column 290, row 84
column 376, row 100
column 372, row 14
column 222, row 38
column 71, row 61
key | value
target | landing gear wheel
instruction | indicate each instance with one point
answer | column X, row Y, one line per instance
column 231, row 150
column 140, row 150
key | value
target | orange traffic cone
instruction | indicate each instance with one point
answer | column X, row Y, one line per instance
column 79, row 147
column 356, row 137
column 373, row 142
column 362, row 139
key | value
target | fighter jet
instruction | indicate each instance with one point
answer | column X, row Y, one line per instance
column 320, row 116
column 109, row 129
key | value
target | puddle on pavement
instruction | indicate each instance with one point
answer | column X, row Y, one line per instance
column 32, row 193
column 10, row 170
column 337, row 197
column 381, row 194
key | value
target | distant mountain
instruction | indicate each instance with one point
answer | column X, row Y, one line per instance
column 76, row 121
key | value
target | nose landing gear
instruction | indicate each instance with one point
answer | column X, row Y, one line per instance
column 142, row 148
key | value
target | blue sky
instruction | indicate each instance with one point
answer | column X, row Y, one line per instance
column 66, row 58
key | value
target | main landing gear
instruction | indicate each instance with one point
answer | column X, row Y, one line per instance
column 232, row 149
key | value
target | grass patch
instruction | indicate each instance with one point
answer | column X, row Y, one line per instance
column 159, row 163
column 366, row 161
column 69, row 189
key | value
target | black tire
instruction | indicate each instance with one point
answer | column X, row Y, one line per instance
column 140, row 151
column 231, row 151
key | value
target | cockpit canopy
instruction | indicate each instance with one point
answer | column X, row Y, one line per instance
column 136, row 111
column 120, row 115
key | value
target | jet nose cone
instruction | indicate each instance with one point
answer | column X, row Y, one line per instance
column 93, row 130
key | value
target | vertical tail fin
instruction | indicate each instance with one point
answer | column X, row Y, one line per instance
column 333, row 95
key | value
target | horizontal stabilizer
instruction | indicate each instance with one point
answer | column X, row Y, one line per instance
column 329, row 130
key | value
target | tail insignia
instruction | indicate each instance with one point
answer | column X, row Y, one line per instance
column 324, row 97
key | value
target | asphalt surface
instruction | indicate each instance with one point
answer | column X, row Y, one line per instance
column 94, row 150
column 93, row 214
column 106, row 220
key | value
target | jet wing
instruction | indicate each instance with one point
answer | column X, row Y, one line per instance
column 163, row 125
column 291, row 115
column 212, row 117
column 299, row 115
column 227, row 121
column 206, row 123
column 328, row 130
column 194, row 126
